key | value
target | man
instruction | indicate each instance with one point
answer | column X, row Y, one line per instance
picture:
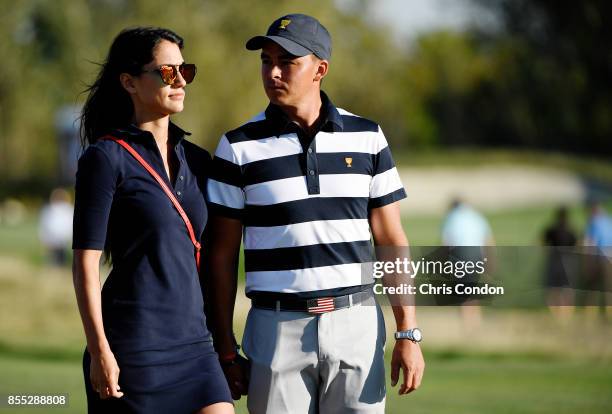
column 467, row 232
column 305, row 183
column 464, row 226
column 599, row 227
column 558, row 238
column 55, row 229
column 598, row 240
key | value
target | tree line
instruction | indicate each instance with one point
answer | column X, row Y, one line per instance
column 539, row 78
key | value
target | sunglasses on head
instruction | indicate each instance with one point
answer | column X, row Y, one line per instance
column 169, row 73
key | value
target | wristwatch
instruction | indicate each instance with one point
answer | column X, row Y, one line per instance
column 414, row 335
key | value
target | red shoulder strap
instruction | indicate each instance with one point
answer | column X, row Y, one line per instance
column 168, row 192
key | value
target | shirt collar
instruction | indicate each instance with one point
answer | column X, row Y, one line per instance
column 175, row 133
column 331, row 121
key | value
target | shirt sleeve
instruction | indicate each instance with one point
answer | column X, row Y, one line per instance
column 386, row 186
column 96, row 182
column 225, row 188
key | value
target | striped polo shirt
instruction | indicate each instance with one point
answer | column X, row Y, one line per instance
column 304, row 202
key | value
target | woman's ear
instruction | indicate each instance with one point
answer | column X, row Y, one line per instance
column 322, row 67
column 127, row 81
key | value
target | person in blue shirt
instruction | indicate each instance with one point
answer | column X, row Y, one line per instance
column 598, row 236
column 599, row 227
column 464, row 226
column 468, row 234
column 148, row 346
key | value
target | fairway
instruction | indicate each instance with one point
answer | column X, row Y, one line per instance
column 446, row 163
column 452, row 384
column 508, row 384
column 517, row 361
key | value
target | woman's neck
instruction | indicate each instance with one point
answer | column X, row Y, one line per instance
column 156, row 126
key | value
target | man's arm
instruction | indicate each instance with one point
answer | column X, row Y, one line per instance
column 387, row 231
column 221, row 271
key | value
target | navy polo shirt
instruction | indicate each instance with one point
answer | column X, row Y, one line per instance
column 152, row 298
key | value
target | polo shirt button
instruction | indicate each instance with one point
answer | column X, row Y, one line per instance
column 311, row 172
column 178, row 193
column 181, row 178
column 310, row 150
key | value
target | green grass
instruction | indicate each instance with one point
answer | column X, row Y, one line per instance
column 21, row 240
column 519, row 227
column 492, row 370
column 515, row 227
column 473, row 384
column 24, row 376
column 465, row 383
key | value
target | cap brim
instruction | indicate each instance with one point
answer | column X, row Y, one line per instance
column 290, row 46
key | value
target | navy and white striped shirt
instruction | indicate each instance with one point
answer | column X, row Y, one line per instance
column 304, row 202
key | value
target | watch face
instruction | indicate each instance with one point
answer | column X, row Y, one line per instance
column 416, row 334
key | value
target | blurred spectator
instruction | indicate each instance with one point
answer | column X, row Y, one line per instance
column 598, row 236
column 55, row 229
column 465, row 227
column 599, row 228
column 559, row 295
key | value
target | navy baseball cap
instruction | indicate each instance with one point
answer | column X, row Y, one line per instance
column 298, row 34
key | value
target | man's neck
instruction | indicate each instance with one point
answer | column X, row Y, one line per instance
column 306, row 113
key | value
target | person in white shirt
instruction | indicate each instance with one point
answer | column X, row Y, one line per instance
column 55, row 229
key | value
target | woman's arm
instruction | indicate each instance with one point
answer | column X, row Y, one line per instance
column 104, row 373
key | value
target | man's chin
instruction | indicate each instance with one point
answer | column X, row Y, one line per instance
column 277, row 98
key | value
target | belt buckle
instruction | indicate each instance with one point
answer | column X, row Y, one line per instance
column 320, row 305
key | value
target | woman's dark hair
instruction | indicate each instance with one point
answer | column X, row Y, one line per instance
column 108, row 104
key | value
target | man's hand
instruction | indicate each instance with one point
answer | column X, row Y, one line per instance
column 407, row 356
column 237, row 374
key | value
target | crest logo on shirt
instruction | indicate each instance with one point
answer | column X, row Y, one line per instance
column 349, row 162
column 284, row 23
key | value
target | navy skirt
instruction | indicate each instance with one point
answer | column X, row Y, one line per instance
column 182, row 381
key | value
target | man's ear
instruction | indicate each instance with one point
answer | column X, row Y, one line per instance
column 322, row 68
column 127, row 81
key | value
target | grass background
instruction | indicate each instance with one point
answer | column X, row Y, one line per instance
column 516, row 361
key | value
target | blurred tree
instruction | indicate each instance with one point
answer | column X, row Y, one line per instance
column 51, row 51
column 542, row 78
column 553, row 82
column 443, row 71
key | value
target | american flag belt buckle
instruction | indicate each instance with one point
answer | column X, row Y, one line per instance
column 320, row 305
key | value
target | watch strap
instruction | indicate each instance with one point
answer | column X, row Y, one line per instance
column 408, row 334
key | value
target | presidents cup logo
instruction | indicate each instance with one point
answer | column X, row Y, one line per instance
column 349, row 162
column 284, row 23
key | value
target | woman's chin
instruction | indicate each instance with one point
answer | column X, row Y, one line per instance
column 174, row 108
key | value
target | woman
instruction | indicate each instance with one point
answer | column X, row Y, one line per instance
column 148, row 348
